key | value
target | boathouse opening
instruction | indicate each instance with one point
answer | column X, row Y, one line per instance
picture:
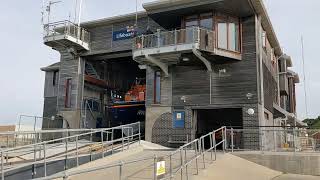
column 115, row 89
column 212, row 119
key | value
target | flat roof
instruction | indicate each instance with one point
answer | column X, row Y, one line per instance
column 257, row 5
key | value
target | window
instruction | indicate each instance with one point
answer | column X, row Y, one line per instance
column 206, row 23
column 157, row 87
column 67, row 101
column 222, row 35
column 54, row 79
column 228, row 33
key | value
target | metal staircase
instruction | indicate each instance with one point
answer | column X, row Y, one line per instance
column 91, row 71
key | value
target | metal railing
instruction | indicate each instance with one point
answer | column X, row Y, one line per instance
column 192, row 35
column 198, row 146
column 66, row 28
column 274, row 139
column 179, row 160
column 73, row 146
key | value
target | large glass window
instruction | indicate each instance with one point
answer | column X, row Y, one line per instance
column 228, row 34
column 206, row 23
column 233, row 36
column 222, row 35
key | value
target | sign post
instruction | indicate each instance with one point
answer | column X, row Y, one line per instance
column 160, row 168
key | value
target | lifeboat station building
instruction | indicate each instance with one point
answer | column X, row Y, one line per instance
column 184, row 67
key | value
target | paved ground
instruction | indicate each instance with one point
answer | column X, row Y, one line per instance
column 230, row 167
column 226, row 167
column 296, row 177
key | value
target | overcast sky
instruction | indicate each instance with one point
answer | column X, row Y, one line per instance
column 23, row 52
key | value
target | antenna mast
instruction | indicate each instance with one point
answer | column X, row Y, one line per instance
column 136, row 25
column 80, row 11
column 304, row 78
column 49, row 8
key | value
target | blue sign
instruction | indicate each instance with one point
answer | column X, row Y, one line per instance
column 178, row 119
column 123, row 34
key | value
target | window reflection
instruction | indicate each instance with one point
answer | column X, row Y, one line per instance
column 222, row 35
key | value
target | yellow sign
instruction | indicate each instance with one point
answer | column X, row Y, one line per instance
column 161, row 168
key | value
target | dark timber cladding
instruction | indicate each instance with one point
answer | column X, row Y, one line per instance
column 200, row 60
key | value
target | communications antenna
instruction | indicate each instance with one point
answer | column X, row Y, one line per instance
column 49, row 8
column 304, row 78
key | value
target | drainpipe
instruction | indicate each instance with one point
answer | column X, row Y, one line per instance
column 261, row 113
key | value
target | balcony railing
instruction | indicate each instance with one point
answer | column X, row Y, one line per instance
column 202, row 39
column 66, row 28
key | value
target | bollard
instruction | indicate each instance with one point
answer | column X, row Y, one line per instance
column 120, row 170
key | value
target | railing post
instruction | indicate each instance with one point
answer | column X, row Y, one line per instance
column 77, row 152
column 102, row 146
column 232, row 141
column 170, row 170
column 34, row 161
column 224, row 140
column 142, row 41
column 2, row 166
column 215, row 146
column 112, row 132
column 66, row 157
column 175, row 37
column 139, row 133
column 198, row 33
column 181, row 163
column 211, row 146
column 122, row 138
column 187, row 172
column 196, row 154
column 158, row 37
column 155, row 167
column 44, row 160
column 203, row 153
column 294, row 139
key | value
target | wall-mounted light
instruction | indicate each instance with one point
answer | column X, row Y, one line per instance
column 184, row 99
column 249, row 95
column 185, row 59
column 250, row 111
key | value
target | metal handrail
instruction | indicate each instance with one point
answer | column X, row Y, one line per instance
column 67, row 27
column 192, row 35
column 39, row 147
column 120, row 164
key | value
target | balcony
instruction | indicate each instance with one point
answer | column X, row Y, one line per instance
column 166, row 48
column 66, row 34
